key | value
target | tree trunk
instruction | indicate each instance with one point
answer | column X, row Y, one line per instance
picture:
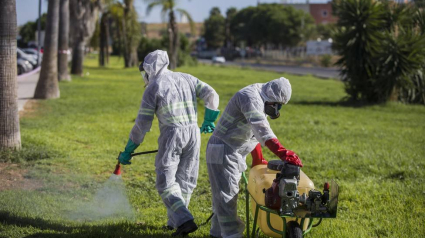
column 83, row 15
column 394, row 94
column 48, row 86
column 174, row 40
column 10, row 136
column 130, row 46
column 125, row 43
column 104, row 40
column 63, row 41
column 78, row 57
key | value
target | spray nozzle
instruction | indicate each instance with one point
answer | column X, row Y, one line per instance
column 117, row 170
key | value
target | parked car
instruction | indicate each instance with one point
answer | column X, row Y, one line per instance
column 218, row 59
column 24, row 56
column 23, row 66
column 33, row 52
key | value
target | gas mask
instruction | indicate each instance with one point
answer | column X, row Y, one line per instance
column 272, row 109
column 144, row 74
column 145, row 78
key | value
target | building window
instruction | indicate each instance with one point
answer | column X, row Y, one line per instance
column 324, row 13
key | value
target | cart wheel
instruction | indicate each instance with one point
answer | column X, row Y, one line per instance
column 293, row 230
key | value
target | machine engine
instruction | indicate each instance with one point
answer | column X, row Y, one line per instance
column 283, row 195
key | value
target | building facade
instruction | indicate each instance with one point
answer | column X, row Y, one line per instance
column 321, row 12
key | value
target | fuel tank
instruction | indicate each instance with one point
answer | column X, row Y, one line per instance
column 261, row 177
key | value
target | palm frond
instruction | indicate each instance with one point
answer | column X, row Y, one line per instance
column 152, row 5
column 189, row 17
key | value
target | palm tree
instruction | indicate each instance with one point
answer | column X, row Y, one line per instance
column 10, row 136
column 358, row 42
column 48, row 86
column 169, row 8
column 83, row 15
column 131, row 34
column 104, row 39
column 63, row 41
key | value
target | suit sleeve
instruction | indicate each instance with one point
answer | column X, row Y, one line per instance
column 145, row 115
column 253, row 110
column 207, row 94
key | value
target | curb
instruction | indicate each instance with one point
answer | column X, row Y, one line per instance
column 29, row 73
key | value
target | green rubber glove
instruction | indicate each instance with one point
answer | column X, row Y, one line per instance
column 125, row 156
column 209, row 119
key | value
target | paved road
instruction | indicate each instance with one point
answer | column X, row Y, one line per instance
column 316, row 71
column 26, row 87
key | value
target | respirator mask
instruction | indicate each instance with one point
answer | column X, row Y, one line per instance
column 145, row 76
column 272, row 109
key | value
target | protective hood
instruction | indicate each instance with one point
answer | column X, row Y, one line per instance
column 155, row 63
column 278, row 90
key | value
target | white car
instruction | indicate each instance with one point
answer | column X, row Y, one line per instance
column 218, row 59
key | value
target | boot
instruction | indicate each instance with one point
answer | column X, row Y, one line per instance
column 185, row 228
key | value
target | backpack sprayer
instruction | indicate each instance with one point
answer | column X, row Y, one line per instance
column 117, row 170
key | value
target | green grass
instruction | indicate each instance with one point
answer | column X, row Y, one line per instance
column 375, row 153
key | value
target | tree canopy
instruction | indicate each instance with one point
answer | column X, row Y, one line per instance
column 271, row 24
column 214, row 29
column 28, row 30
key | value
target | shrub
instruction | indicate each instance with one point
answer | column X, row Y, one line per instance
column 325, row 60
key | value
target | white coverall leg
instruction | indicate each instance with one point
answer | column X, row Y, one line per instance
column 224, row 167
column 177, row 164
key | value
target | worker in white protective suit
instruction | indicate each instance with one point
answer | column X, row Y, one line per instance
column 172, row 97
column 243, row 128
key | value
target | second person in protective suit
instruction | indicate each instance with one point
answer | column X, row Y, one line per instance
column 172, row 97
column 243, row 128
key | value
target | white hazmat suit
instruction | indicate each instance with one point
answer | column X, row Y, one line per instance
column 241, row 127
column 172, row 97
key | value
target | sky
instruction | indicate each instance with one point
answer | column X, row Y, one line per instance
column 27, row 10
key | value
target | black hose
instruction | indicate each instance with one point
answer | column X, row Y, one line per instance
column 145, row 152
column 209, row 218
column 318, row 223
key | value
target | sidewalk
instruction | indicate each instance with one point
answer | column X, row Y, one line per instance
column 26, row 87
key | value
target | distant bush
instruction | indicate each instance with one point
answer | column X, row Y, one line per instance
column 148, row 45
column 325, row 60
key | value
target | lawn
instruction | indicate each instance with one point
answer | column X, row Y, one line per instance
column 375, row 153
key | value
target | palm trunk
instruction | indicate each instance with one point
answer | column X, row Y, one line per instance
column 130, row 48
column 48, row 86
column 394, row 94
column 104, row 38
column 78, row 57
column 84, row 19
column 125, row 43
column 174, row 40
column 10, row 136
column 63, row 41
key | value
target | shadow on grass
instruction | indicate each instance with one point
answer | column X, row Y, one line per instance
column 122, row 229
column 342, row 103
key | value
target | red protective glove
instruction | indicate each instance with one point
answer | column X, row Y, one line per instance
column 284, row 154
column 257, row 156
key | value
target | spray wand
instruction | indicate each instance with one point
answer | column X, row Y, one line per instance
column 117, row 170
